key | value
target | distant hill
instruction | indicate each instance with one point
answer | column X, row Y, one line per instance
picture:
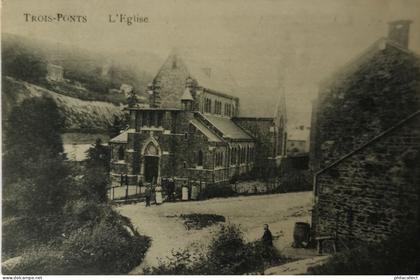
column 97, row 73
column 81, row 116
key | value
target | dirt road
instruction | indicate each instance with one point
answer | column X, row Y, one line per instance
column 163, row 225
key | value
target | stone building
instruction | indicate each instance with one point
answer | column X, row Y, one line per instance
column 191, row 130
column 365, row 143
column 54, row 72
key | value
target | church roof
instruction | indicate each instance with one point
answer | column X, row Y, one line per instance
column 228, row 128
column 122, row 138
column 210, row 76
column 211, row 136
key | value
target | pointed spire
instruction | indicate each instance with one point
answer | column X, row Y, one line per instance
column 187, row 95
column 280, row 116
column 187, row 98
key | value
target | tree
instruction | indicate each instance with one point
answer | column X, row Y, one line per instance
column 34, row 168
column 118, row 124
column 96, row 174
column 98, row 155
column 32, row 133
column 27, row 67
column 36, row 177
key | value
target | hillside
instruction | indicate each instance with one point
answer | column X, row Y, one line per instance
column 80, row 115
column 88, row 75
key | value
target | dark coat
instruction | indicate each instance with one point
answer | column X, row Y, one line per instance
column 267, row 238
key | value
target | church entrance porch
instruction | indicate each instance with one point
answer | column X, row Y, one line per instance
column 151, row 168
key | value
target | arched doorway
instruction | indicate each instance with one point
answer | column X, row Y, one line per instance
column 151, row 162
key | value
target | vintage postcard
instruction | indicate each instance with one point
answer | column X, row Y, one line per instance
column 239, row 137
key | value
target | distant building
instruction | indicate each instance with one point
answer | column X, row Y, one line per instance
column 126, row 89
column 192, row 130
column 365, row 142
column 54, row 72
column 298, row 141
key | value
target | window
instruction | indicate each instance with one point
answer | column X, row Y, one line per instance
column 232, row 156
column 218, row 107
column 228, row 109
column 185, row 164
column 121, row 153
column 207, row 105
column 219, row 159
column 185, row 135
column 200, row 158
column 238, row 155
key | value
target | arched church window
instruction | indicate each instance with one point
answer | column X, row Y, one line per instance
column 151, row 150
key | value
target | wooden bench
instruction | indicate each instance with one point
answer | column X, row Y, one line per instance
column 321, row 239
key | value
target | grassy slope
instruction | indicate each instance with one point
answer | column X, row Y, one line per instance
column 83, row 116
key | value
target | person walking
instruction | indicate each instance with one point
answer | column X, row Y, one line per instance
column 148, row 195
column 158, row 193
column 171, row 189
column 267, row 238
column 267, row 241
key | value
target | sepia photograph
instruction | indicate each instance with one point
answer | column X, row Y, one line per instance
column 210, row 137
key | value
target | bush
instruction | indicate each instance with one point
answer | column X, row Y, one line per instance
column 95, row 240
column 199, row 221
column 218, row 190
column 42, row 260
column 181, row 262
column 107, row 248
column 227, row 254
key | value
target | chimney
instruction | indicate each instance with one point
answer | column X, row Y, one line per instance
column 399, row 32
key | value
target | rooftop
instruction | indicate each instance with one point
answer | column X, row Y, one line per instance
column 211, row 136
column 228, row 128
column 122, row 138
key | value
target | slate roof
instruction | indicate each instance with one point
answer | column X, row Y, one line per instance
column 228, row 128
column 210, row 76
column 122, row 138
column 211, row 136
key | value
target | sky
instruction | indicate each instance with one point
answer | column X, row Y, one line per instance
column 262, row 43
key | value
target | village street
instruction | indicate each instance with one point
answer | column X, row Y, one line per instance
column 163, row 225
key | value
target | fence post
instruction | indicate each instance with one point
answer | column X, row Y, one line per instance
column 126, row 187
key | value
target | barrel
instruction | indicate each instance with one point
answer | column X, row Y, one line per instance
column 301, row 234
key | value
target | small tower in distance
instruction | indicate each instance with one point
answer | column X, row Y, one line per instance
column 187, row 100
column 153, row 89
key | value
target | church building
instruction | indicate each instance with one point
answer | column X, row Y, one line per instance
column 191, row 129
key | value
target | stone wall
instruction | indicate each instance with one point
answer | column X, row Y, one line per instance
column 362, row 100
column 172, row 78
column 375, row 192
column 267, row 138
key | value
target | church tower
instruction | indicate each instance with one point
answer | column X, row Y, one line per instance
column 280, row 119
column 187, row 100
